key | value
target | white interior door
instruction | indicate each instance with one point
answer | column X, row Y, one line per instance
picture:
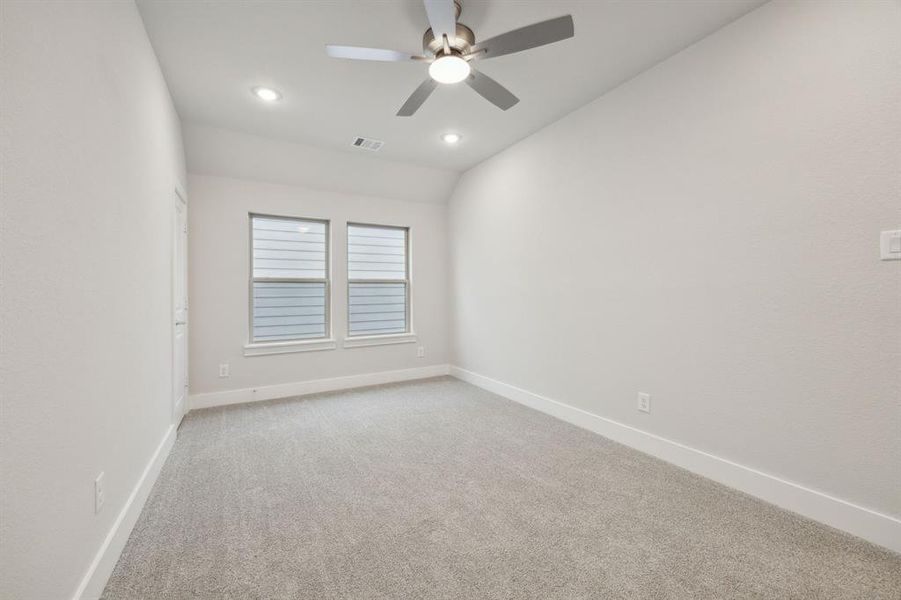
column 180, row 309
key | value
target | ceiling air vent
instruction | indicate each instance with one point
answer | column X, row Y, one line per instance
column 367, row 144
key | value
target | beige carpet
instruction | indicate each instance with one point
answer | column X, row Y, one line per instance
column 437, row 489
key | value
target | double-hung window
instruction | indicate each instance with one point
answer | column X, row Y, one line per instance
column 378, row 280
column 289, row 285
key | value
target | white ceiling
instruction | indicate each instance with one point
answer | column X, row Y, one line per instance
column 213, row 52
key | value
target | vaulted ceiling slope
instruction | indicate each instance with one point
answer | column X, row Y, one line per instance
column 214, row 52
column 228, row 153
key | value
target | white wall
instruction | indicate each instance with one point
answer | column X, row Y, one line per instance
column 219, row 271
column 91, row 154
column 708, row 233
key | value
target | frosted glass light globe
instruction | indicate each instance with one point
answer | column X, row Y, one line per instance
column 267, row 94
column 449, row 69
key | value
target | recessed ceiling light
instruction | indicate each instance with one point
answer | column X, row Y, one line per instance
column 449, row 69
column 451, row 138
column 267, row 94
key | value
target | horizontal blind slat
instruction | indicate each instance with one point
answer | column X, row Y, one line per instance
column 376, row 308
column 366, row 242
column 380, row 326
column 376, row 231
column 261, row 321
column 288, row 245
column 373, row 300
column 288, row 224
column 375, row 250
column 287, row 274
column 287, row 311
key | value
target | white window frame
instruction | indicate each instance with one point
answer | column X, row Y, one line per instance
column 324, row 342
column 407, row 336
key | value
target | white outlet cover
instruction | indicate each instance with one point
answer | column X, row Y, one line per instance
column 223, row 370
column 890, row 245
column 98, row 494
column 644, row 402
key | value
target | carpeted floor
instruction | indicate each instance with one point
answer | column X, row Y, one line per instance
column 438, row 489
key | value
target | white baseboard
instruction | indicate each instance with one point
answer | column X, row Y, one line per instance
column 314, row 386
column 870, row 525
column 101, row 568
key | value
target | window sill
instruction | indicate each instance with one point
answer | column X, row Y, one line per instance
column 264, row 348
column 362, row 341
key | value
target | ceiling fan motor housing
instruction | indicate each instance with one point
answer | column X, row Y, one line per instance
column 465, row 39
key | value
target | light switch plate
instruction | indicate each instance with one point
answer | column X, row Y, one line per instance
column 890, row 245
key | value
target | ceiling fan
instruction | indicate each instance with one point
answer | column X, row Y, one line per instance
column 449, row 47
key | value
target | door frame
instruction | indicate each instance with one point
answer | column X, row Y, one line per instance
column 179, row 409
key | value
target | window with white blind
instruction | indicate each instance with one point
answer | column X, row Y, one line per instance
column 378, row 280
column 289, row 287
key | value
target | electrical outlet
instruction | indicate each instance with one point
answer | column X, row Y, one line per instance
column 890, row 245
column 420, row 352
column 223, row 370
column 98, row 493
column 644, row 402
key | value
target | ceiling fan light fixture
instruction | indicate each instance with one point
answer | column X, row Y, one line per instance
column 449, row 68
column 267, row 94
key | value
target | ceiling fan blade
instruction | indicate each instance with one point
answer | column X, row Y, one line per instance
column 358, row 53
column 531, row 36
column 442, row 17
column 491, row 90
column 416, row 99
